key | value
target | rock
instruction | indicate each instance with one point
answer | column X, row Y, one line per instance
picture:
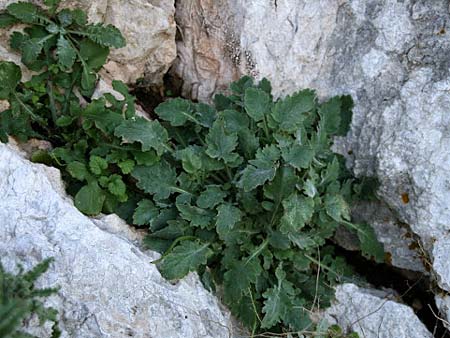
column 147, row 25
column 373, row 314
column 109, row 288
column 443, row 304
column 391, row 56
column 401, row 245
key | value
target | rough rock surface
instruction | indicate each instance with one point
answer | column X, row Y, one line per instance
column 108, row 286
column 374, row 314
column 391, row 56
column 147, row 25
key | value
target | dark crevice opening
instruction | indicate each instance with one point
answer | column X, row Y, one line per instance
column 414, row 288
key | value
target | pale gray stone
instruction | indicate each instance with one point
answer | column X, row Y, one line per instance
column 109, row 288
column 374, row 314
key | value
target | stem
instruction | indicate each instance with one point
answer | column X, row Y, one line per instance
column 266, row 130
column 52, row 101
column 321, row 265
column 27, row 110
column 169, row 250
column 182, row 191
column 227, row 169
column 257, row 252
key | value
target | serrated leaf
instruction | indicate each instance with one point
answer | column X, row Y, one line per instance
column 238, row 278
column 105, row 35
column 7, row 20
column 147, row 158
column 145, row 212
column 221, row 144
column 299, row 156
column 10, row 76
column 336, row 207
column 227, row 216
column 78, row 170
column 66, row 53
column 126, row 166
column 150, row 134
column 290, row 111
column 212, row 196
column 97, row 164
column 197, row 217
column 31, row 49
column 177, row 111
column 257, row 103
column 278, row 301
column 24, row 11
column 90, row 199
column 116, row 186
column 260, row 170
column 298, row 211
column 191, row 159
column 159, row 179
column 185, row 257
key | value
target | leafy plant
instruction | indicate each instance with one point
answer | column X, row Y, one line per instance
column 19, row 299
column 245, row 191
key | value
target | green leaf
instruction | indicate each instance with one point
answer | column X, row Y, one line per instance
column 177, row 111
column 290, row 112
column 31, row 49
column 260, row 170
column 221, row 144
column 298, row 211
column 10, row 76
column 66, row 54
column 278, row 301
column 105, row 35
column 151, row 134
column 227, row 217
column 257, row 103
column 191, row 159
column 77, row 170
column 336, row 207
column 370, row 246
column 93, row 54
column 159, row 179
column 24, row 11
column 299, row 156
column 116, row 186
column 239, row 277
column 145, row 212
column 7, row 20
column 126, row 166
column 185, row 257
column 212, row 196
column 197, row 217
column 97, row 164
column 89, row 199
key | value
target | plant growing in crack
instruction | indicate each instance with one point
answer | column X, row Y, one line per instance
column 245, row 191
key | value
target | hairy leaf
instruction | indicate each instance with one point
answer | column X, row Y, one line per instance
column 149, row 133
column 185, row 257
column 260, row 170
column 158, row 180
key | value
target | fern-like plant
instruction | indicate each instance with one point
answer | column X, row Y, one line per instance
column 20, row 299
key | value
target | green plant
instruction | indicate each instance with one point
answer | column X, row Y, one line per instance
column 245, row 191
column 19, row 299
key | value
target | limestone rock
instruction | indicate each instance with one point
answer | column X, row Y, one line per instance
column 373, row 314
column 147, row 25
column 391, row 56
column 109, row 288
